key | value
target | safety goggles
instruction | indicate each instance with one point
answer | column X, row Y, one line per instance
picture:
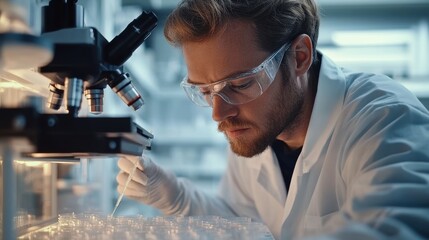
column 239, row 89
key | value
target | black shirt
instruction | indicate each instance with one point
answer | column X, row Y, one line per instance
column 287, row 160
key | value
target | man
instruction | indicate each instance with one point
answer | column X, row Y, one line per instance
column 316, row 150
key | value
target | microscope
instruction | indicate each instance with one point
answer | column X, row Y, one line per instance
column 84, row 63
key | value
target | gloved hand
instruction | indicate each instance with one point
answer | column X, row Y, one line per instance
column 150, row 184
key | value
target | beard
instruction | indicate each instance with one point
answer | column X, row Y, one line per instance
column 283, row 116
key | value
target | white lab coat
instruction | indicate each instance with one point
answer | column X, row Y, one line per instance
column 363, row 172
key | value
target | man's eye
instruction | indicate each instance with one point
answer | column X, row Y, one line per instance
column 241, row 85
column 204, row 91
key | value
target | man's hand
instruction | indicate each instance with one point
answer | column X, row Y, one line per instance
column 150, row 184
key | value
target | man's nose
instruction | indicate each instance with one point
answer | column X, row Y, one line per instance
column 221, row 109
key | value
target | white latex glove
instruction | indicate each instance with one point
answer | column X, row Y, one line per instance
column 150, row 184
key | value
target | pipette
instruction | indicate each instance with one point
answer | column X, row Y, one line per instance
column 118, row 202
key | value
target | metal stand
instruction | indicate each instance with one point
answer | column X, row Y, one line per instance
column 9, row 191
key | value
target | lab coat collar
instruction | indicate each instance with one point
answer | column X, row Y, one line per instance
column 268, row 176
column 329, row 100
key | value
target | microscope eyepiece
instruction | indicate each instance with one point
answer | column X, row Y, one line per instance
column 123, row 45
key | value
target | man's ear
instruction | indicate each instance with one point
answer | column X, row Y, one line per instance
column 303, row 54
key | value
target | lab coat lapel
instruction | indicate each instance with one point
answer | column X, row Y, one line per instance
column 270, row 178
column 327, row 106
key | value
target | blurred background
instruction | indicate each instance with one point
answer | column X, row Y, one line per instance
column 382, row 36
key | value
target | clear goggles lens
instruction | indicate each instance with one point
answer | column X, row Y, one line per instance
column 237, row 90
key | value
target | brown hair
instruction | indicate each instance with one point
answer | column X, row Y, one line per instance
column 276, row 21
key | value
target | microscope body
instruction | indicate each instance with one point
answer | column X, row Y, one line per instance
column 78, row 52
